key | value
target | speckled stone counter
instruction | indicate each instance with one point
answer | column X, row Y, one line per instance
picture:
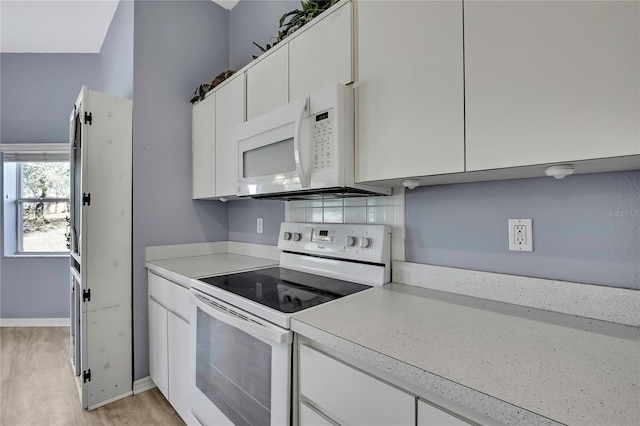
column 515, row 364
column 180, row 263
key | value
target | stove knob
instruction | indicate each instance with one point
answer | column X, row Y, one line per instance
column 297, row 236
column 365, row 242
column 287, row 236
column 351, row 241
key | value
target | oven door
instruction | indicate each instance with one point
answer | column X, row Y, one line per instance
column 273, row 152
column 240, row 368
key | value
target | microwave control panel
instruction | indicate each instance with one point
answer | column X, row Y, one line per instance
column 322, row 153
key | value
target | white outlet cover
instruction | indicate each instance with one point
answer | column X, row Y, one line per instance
column 528, row 240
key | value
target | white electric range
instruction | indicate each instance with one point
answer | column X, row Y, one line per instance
column 241, row 368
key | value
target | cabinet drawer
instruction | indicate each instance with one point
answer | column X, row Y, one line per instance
column 349, row 396
column 428, row 415
column 308, row 417
column 172, row 295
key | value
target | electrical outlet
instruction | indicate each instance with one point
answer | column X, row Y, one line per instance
column 259, row 226
column 520, row 235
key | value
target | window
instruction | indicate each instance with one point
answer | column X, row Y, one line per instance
column 36, row 204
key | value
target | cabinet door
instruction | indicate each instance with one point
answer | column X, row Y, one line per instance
column 268, row 83
column 230, row 111
column 178, row 341
column 428, row 415
column 105, row 248
column 158, row 347
column 204, row 148
column 349, row 396
column 409, row 90
column 321, row 55
column 551, row 81
column 308, row 417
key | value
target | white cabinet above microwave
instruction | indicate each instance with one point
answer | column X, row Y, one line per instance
column 318, row 54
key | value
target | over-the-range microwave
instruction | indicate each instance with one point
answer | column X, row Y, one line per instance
column 304, row 149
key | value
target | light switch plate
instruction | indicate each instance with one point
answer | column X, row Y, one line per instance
column 520, row 235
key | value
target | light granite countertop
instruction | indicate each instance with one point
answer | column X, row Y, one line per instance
column 182, row 269
column 516, row 364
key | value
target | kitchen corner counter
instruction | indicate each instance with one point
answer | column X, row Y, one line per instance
column 515, row 364
column 181, row 263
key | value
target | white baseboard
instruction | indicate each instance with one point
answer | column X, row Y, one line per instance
column 35, row 322
column 143, row 385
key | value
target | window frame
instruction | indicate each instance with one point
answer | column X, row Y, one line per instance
column 20, row 211
column 18, row 154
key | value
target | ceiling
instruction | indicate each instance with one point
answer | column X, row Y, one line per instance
column 59, row 26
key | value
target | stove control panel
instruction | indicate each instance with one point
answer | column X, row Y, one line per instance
column 366, row 243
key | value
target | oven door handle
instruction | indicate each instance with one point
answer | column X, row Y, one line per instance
column 271, row 333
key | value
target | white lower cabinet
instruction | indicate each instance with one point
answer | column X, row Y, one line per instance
column 169, row 341
column 310, row 417
column 178, row 338
column 331, row 392
column 348, row 396
column 428, row 415
column 158, row 344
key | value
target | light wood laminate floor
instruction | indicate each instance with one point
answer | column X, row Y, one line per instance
column 38, row 388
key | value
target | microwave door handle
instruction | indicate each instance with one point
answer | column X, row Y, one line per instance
column 297, row 147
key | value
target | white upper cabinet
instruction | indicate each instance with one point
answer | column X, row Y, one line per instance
column 322, row 54
column 230, row 112
column 268, row 83
column 204, row 148
column 409, row 89
column 550, row 82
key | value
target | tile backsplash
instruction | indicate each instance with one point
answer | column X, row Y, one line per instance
column 378, row 210
column 387, row 210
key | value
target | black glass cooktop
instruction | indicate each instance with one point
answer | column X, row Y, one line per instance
column 283, row 289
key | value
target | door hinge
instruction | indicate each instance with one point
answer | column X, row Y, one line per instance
column 86, row 376
column 86, row 295
column 86, row 199
column 88, row 118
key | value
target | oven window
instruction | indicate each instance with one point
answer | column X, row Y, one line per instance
column 233, row 369
column 269, row 160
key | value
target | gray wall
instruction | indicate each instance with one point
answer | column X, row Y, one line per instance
column 254, row 20
column 38, row 92
column 177, row 46
column 586, row 228
column 116, row 54
column 243, row 215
